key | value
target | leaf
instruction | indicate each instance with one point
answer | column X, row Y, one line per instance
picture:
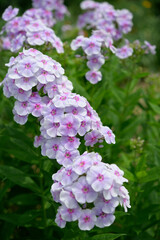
column 24, row 199
column 155, row 108
column 108, row 236
column 20, row 219
column 17, row 176
column 151, row 175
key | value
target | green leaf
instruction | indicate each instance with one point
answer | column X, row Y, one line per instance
column 151, row 175
column 108, row 236
column 20, row 219
column 17, row 176
column 155, row 108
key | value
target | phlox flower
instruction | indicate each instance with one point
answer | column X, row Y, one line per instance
column 83, row 191
column 92, row 138
column 87, row 220
column 69, row 214
column 70, row 143
column 99, row 178
column 69, row 125
column 103, row 219
column 108, row 134
column 67, row 197
column 10, row 13
column 93, row 76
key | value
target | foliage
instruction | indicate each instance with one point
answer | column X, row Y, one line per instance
column 127, row 99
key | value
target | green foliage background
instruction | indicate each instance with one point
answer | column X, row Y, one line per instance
column 127, row 100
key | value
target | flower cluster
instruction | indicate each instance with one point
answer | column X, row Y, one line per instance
column 93, row 48
column 57, row 6
column 104, row 16
column 109, row 26
column 28, row 73
column 66, row 118
column 31, row 28
column 89, row 191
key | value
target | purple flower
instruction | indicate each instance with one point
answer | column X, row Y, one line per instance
column 107, row 206
column 83, row 191
column 103, row 219
column 53, row 113
column 95, row 61
column 84, row 127
column 70, row 143
column 69, row 126
column 91, row 46
column 27, row 67
column 52, row 147
column 26, row 83
column 93, row 76
column 78, row 42
column 82, row 163
column 67, row 197
column 21, row 108
column 87, row 220
column 99, row 178
column 66, row 157
column 60, row 222
column 108, row 134
column 92, row 138
column 124, row 52
column 68, row 176
column 10, row 13
column 69, row 214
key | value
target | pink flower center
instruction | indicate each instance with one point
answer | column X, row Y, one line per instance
column 117, row 173
column 76, row 98
column 83, row 123
column 93, row 75
column 26, row 79
column 82, row 163
column 35, row 24
column 37, row 106
column 103, row 215
column 21, row 90
column 85, row 189
column 106, row 201
column 93, row 139
column 24, row 105
column 55, row 147
column 75, row 111
column 67, row 155
column 44, row 73
column 36, row 35
column 69, row 172
column 44, row 61
column 69, row 125
column 91, row 45
column 71, row 139
column 27, row 65
column 56, row 125
column 63, row 98
column 53, row 112
column 86, row 219
column 48, row 34
column 94, row 60
column 70, row 211
column 88, row 113
column 55, row 67
column 54, row 87
column 100, row 177
column 109, row 133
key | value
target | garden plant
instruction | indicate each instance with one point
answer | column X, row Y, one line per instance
column 79, row 134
